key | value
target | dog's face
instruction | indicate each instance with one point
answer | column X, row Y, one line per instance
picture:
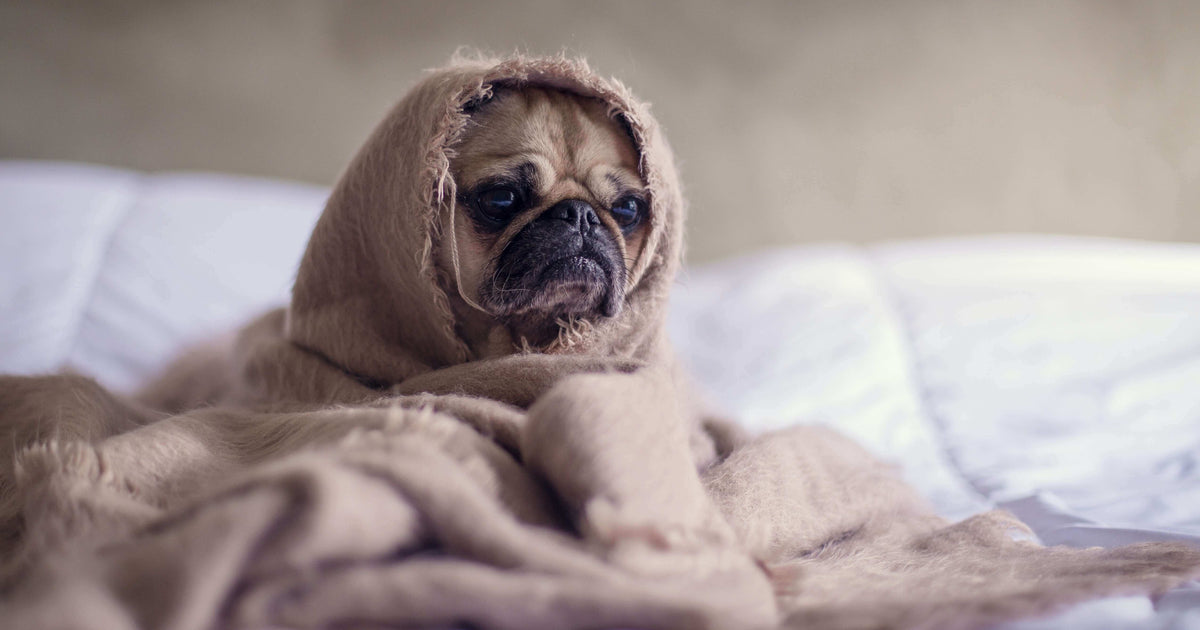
column 557, row 210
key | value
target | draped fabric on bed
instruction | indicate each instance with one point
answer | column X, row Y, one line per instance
column 346, row 462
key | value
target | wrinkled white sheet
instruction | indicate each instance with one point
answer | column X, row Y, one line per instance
column 1056, row 377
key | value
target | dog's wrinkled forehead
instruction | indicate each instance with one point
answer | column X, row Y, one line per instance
column 559, row 144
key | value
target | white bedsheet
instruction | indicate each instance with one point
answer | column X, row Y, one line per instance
column 1056, row 377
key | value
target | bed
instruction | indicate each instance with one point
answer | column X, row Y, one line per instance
column 1056, row 377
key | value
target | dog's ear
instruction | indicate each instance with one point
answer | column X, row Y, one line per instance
column 471, row 106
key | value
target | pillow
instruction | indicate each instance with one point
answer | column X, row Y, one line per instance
column 111, row 272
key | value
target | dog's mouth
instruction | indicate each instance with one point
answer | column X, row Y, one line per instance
column 571, row 285
column 578, row 284
column 555, row 268
column 576, row 269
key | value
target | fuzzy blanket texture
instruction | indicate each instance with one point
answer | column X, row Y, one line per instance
column 348, row 462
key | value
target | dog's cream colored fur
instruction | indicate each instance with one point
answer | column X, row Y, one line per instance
column 353, row 461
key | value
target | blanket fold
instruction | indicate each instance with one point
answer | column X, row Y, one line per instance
column 352, row 460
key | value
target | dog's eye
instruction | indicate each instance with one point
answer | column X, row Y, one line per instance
column 627, row 212
column 498, row 204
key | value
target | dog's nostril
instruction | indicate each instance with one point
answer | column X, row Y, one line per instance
column 574, row 211
column 563, row 211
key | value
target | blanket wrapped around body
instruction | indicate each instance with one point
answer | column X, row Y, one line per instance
column 352, row 461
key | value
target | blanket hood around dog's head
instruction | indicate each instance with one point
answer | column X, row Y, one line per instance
column 370, row 295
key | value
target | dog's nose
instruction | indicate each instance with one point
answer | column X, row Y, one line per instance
column 574, row 211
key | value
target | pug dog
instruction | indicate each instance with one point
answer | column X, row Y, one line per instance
column 551, row 213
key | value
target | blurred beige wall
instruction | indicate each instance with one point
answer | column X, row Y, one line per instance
column 794, row 121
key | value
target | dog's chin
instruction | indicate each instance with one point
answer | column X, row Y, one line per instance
column 576, row 286
column 551, row 271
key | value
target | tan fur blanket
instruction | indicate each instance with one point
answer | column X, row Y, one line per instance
column 352, row 462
